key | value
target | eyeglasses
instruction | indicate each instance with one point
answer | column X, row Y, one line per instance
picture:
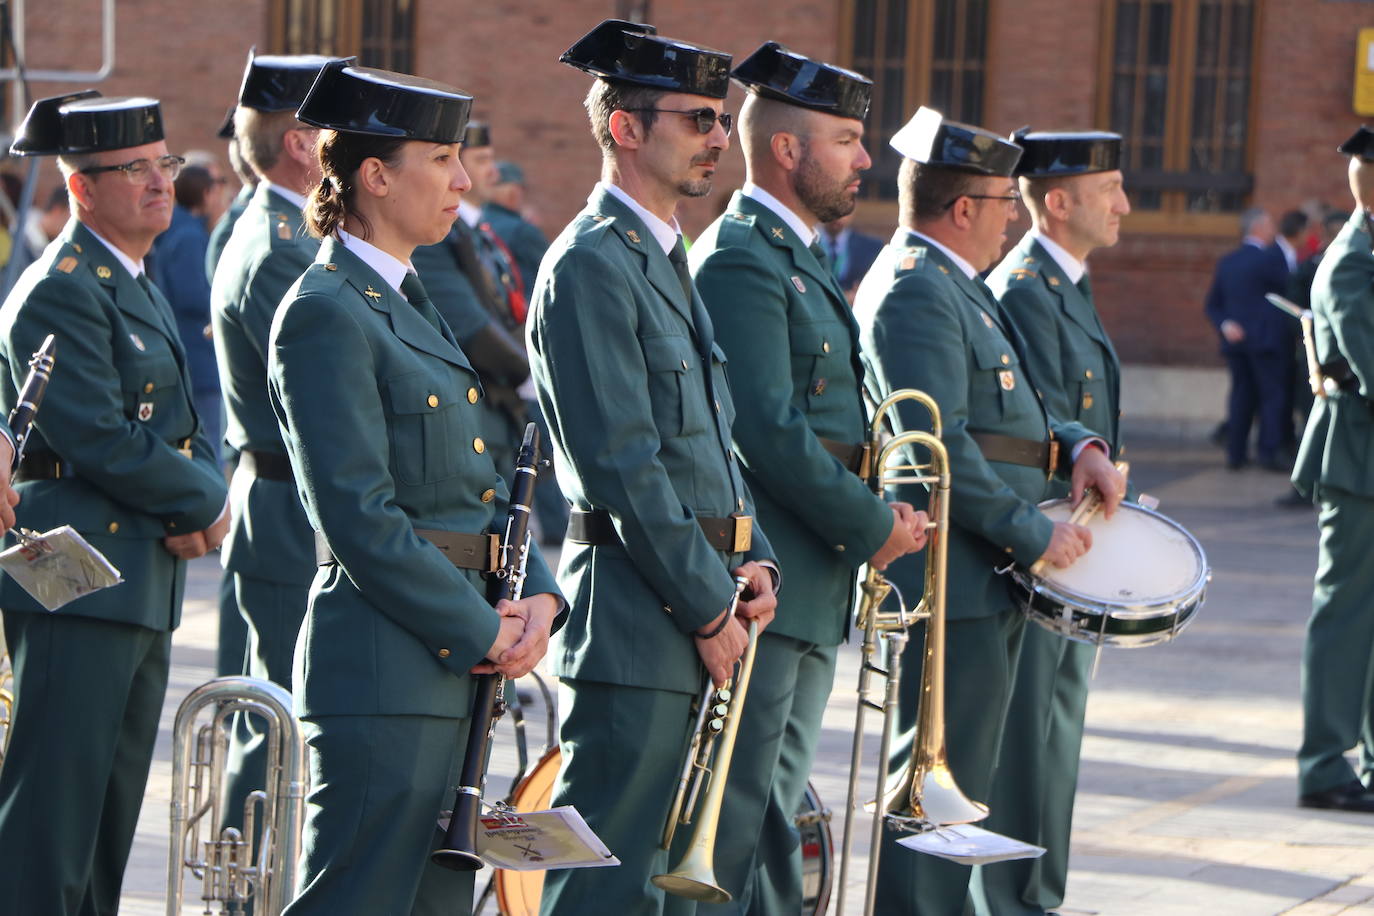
column 140, row 171
column 1013, row 197
column 706, row 118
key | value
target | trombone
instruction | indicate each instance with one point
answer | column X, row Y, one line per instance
column 718, row 717
column 927, row 797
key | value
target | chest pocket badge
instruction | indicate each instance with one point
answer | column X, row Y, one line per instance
column 819, row 388
column 1007, row 379
column 145, row 410
column 801, row 287
column 1087, row 400
column 137, row 341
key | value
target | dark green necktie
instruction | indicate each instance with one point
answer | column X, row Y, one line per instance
column 822, row 258
column 415, row 294
column 1085, row 287
column 678, row 257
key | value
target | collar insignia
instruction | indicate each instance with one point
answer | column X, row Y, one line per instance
column 1054, row 281
column 632, row 236
column 372, row 293
column 102, row 272
column 778, row 233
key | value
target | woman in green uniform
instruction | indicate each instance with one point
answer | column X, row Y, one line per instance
column 379, row 409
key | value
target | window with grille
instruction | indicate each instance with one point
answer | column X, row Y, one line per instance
column 380, row 32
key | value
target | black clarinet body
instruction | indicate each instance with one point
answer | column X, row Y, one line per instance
column 31, row 395
column 459, row 851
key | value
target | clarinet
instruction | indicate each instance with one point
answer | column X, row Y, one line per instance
column 31, row 395
column 459, row 851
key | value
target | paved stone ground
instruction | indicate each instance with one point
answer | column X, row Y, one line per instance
column 1186, row 802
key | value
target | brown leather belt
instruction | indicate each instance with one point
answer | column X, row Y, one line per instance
column 267, row 465
column 465, row 551
column 1031, row 453
column 734, row 534
column 856, row 458
column 47, row 466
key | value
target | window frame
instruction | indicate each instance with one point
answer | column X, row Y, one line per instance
column 347, row 38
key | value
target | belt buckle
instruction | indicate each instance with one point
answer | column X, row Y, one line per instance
column 744, row 533
column 1054, row 458
column 493, row 552
column 865, row 469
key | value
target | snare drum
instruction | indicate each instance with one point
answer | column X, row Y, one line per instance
column 1142, row 582
column 518, row 892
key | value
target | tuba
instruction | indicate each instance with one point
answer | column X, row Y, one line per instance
column 927, row 797
column 258, row 863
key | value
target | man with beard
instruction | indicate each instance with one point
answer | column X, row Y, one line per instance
column 1072, row 185
column 635, row 392
column 800, row 433
column 930, row 323
column 117, row 453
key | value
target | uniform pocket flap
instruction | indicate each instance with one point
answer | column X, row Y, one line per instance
column 420, row 392
column 809, row 339
column 993, row 354
column 669, row 353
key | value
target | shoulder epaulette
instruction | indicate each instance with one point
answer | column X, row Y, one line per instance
column 910, row 258
column 735, row 228
column 1022, row 273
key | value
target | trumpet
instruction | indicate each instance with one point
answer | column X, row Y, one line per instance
column 718, row 715
column 927, row 796
column 232, row 872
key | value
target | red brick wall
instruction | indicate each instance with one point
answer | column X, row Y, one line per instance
column 1042, row 70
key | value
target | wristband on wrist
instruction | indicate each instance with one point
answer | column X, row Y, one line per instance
column 718, row 629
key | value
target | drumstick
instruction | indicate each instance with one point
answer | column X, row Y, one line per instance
column 1083, row 513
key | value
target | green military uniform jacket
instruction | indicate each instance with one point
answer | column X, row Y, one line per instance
column 219, row 236
column 1067, row 351
column 379, row 413
column 925, row 325
column 634, row 390
column 522, row 237
column 1340, row 432
column 796, row 376
column 116, row 412
column 270, row 537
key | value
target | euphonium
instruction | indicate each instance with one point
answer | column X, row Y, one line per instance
column 259, row 862
column 928, row 795
column 718, row 716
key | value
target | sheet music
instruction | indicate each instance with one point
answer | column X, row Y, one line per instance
column 969, row 844
column 58, row 566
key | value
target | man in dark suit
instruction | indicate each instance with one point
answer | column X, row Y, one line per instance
column 851, row 252
column 1256, row 340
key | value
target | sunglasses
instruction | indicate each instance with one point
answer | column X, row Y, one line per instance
column 706, row 118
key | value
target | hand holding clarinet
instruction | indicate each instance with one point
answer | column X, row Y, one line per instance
column 21, row 424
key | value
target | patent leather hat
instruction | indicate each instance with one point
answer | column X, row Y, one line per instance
column 477, row 135
column 1048, row 154
column 87, row 122
column 1361, row 143
column 775, row 72
column 631, row 52
column 278, row 82
column 931, row 140
column 382, row 103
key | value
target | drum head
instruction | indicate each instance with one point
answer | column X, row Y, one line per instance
column 1140, row 561
column 518, row 892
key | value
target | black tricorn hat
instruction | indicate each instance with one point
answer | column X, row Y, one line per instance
column 776, row 72
column 631, row 52
column 361, row 100
column 1361, row 143
column 278, row 83
column 477, row 135
column 1052, row 153
column 931, row 140
column 87, row 122
column 226, row 129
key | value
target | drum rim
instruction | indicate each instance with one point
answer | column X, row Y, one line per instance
column 1140, row 610
column 1182, row 618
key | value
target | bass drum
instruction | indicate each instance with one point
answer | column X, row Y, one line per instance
column 518, row 892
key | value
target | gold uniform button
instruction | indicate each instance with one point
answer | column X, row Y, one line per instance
column 444, row 653
column 478, row 445
column 113, row 527
column 148, row 388
column 840, row 548
column 488, row 495
column 472, row 395
column 1087, row 373
column 433, row 400
column 1006, row 360
column 331, row 267
column 825, row 347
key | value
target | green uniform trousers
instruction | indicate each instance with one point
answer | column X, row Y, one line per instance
column 378, row 784
column 980, row 666
column 231, row 652
column 272, row 614
column 1033, row 790
column 1338, row 657
column 89, row 695
column 622, row 752
column 758, row 853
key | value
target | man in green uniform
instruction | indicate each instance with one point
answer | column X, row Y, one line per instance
column 930, row 323
column 117, row 454
column 219, row 235
column 1332, row 469
column 1071, row 183
column 522, row 237
column 801, row 434
column 635, row 389
column 270, row 552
